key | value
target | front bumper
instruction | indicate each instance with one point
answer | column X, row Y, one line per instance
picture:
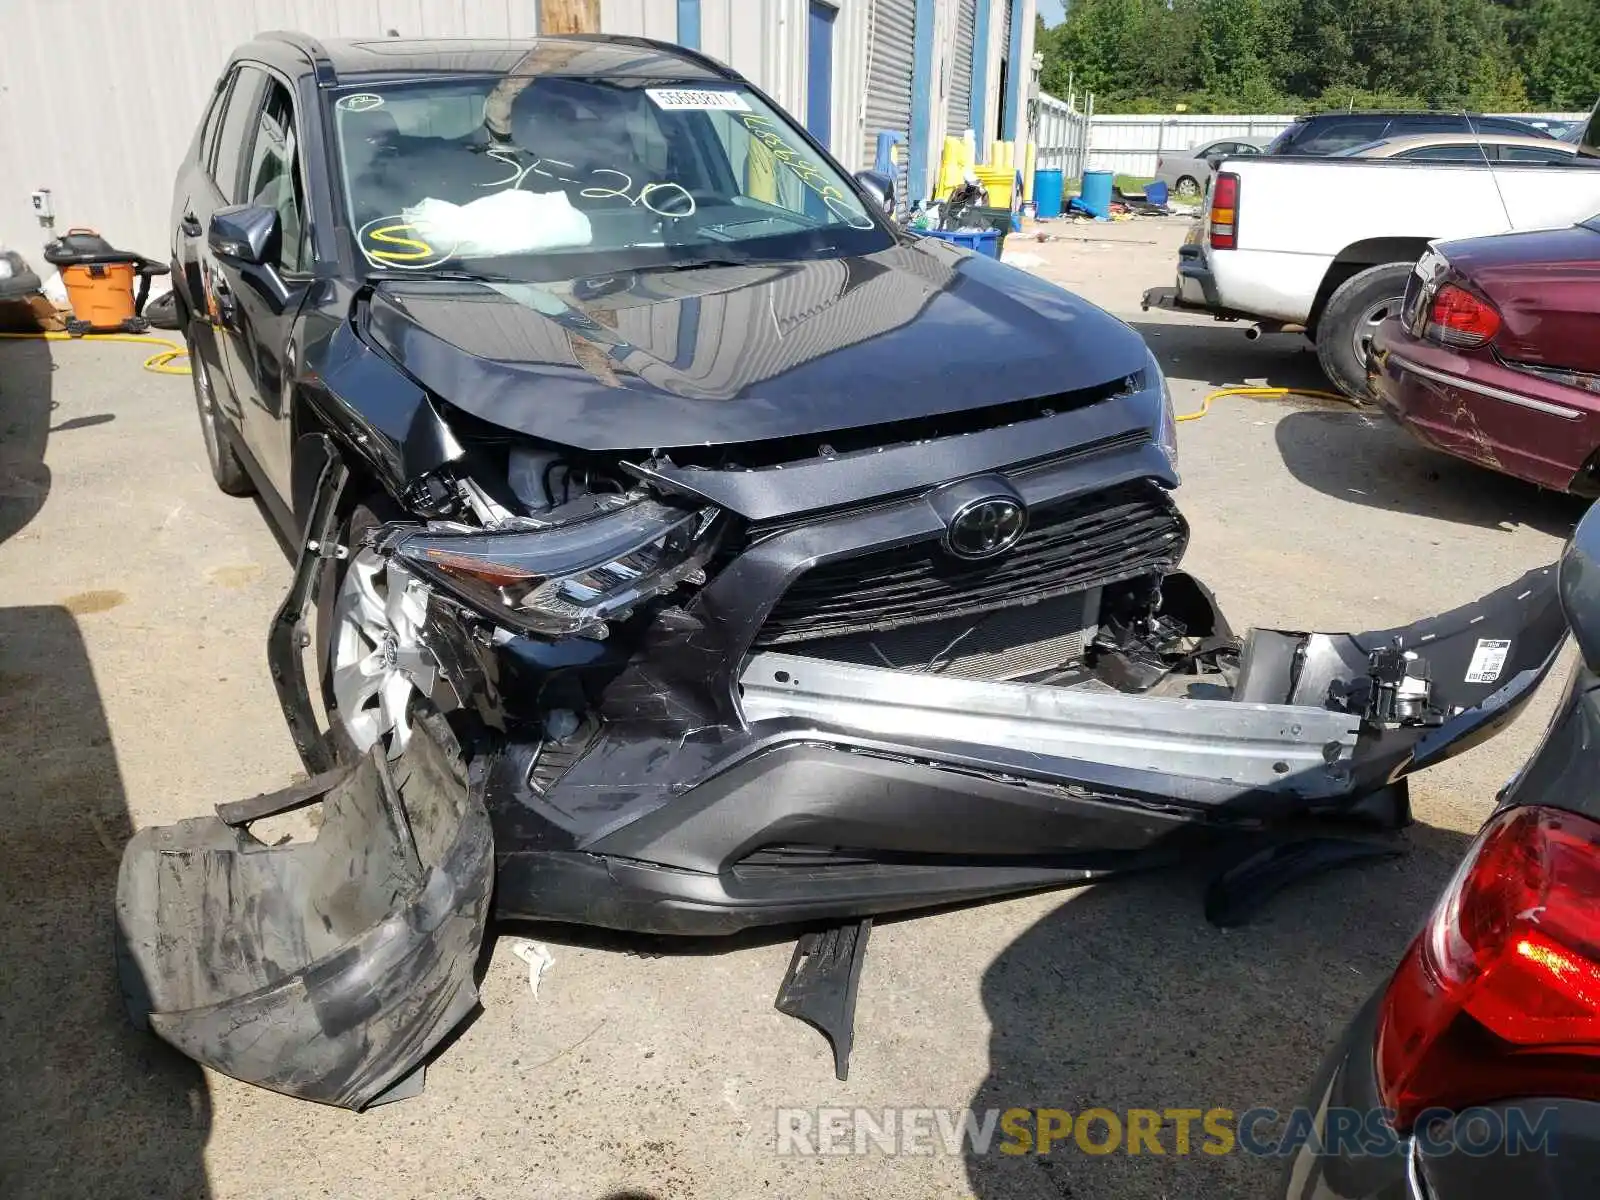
column 839, row 791
column 1473, row 407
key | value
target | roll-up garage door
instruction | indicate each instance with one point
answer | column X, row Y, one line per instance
column 959, row 112
column 890, row 49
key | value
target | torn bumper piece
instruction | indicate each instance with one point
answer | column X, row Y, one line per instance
column 850, row 790
column 326, row 969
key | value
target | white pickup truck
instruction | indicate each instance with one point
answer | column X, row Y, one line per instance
column 1325, row 245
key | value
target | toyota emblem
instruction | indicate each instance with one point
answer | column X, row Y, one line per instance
column 985, row 528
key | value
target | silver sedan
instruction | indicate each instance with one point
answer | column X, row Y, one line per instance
column 1187, row 173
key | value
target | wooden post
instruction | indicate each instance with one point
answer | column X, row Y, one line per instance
column 569, row 16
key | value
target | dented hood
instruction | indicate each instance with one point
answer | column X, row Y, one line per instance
column 714, row 355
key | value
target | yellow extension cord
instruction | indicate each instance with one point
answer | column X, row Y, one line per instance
column 163, row 362
column 1264, row 393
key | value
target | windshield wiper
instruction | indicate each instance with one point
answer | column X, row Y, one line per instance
column 696, row 264
column 451, row 273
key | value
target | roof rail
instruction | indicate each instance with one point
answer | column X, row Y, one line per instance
column 644, row 43
column 316, row 53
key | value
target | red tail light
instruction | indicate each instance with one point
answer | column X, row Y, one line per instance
column 1499, row 996
column 1225, row 211
column 1458, row 318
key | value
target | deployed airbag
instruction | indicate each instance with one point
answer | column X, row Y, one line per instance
column 325, row 969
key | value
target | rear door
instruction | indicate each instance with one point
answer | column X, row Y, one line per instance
column 261, row 303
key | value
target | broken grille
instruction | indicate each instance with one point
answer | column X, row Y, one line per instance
column 1089, row 541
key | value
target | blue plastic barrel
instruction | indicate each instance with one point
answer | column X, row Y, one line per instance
column 984, row 241
column 1047, row 187
column 1096, row 197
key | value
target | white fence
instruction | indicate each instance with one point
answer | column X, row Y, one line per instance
column 1131, row 143
column 1061, row 134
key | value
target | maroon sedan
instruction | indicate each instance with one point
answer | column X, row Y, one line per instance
column 1495, row 356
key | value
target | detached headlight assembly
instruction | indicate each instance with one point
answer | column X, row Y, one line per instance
column 572, row 578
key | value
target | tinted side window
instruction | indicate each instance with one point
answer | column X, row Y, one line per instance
column 1462, row 153
column 233, row 140
column 1503, row 125
column 1428, row 123
column 213, row 118
column 1338, row 136
column 1589, row 143
column 273, row 179
column 1535, row 154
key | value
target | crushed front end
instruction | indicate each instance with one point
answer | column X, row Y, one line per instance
column 694, row 692
column 769, row 687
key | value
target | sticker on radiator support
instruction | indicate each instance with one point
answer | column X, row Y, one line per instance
column 1488, row 660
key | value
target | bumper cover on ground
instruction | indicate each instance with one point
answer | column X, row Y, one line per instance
column 326, row 969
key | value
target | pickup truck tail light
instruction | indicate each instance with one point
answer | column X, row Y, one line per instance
column 1499, row 996
column 1225, row 211
column 1460, row 319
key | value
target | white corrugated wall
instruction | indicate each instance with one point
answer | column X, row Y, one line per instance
column 764, row 40
column 98, row 101
column 641, row 18
column 850, row 81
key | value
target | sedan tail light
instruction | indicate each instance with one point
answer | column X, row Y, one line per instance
column 1499, row 996
column 1460, row 319
column 1225, row 211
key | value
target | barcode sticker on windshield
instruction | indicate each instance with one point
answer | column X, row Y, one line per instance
column 1488, row 660
column 697, row 99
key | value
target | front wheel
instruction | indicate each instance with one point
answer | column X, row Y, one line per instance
column 374, row 664
column 1351, row 317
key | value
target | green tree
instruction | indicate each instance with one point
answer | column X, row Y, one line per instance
column 1261, row 55
column 1558, row 43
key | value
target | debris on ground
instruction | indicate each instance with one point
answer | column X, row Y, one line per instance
column 538, row 957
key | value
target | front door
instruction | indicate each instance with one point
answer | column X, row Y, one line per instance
column 258, row 304
column 214, row 184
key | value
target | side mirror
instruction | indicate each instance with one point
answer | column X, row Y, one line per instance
column 245, row 233
column 880, row 187
column 1579, row 578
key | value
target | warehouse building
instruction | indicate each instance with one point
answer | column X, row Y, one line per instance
column 98, row 108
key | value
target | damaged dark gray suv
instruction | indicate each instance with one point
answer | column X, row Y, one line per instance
column 683, row 547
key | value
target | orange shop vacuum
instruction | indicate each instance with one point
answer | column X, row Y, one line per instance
column 100, row 282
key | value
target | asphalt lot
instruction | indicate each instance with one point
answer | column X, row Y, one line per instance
column 134, row 600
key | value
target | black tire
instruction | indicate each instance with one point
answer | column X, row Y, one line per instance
column 226, row 468
column 1192, row 192
column 1348, row 319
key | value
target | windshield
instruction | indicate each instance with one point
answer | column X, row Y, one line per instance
column 1277, row 144
column 541, row 177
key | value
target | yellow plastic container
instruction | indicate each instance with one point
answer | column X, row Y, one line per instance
column 1001, row 184
column 953, row 166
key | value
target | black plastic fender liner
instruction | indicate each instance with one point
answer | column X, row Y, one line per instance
column 326, row 969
